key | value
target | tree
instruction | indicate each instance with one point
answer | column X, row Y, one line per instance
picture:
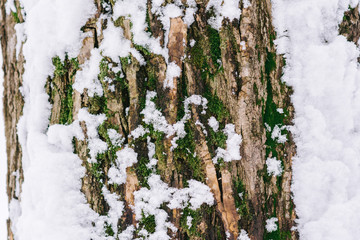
column 233, row 70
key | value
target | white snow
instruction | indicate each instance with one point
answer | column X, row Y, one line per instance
column 189, row 221
column 271, row 224
column 125, row 158
column 273, row 166
column 246, row 3
column 52, row 205
column 322, row 68
column 233, row 141
column 223, row 9
column 213, row 123
column 243, row 235
column 172, row 71
column 87, row 77
column 149, row 200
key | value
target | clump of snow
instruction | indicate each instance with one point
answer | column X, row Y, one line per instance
column 115, row 138
column 213, row 123
column 95, row 144
column 277, row 136
column 20, row 36
column 271, row 225
column 115, row 45
column 87, row 77
column 246, row 3
column 10, row 6
column 52, row 205
column 273, row 166
column 116, row 208
column 125, row 158
column 233, row 142
column 138, row 132
column 223, row 9
column 280, row 110
column 192, row 42
column 243, row 45
column 323, row 70
column 135, row 10
column 243, row 235
column 127, row 234
column 172, row 71
column 149, row 201
column 189, row 221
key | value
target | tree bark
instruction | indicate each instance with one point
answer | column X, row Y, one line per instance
column 239, row 73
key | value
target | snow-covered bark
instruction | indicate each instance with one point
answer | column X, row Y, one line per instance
column 146, row 119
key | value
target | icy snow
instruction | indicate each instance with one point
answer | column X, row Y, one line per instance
column 322, row 68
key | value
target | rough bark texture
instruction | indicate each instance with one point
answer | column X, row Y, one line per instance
column 244, row 89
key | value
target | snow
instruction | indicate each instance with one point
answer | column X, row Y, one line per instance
column 243, row 235
column 172, row 71
column 273, row 166
column 87, row 77
column 271, row 225
column 213, row 123
column 52, row 206
column 149, row 200
column 246, row 3
column 126, row 157
column 3, row 161
column 189, row 221
column 233, row 141
column 115, row 45
column 322, row 68
column 223, row 9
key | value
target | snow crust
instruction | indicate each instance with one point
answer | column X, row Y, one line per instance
column 322, row 68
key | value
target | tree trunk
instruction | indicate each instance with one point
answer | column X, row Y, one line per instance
column 237, row 71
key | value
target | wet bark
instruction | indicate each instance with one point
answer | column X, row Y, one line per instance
column 236, row 69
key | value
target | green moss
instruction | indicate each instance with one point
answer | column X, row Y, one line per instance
column 67, row 106
column 196, row 217
column 185, row 154
column 277, row 235
column 98, row 104
column 148, row 223
column 215, row 106
column 108, row 230
column 60, row 69
column 215, row 51
column 142, row 50
column 16, row 17
column 270, row 62
column 240, row 202
column 143, row 172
